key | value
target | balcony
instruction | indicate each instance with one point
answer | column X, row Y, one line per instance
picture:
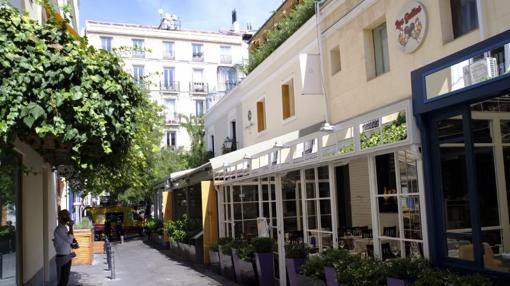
column 229, row 145
column 172, row 118
column 169, row 56
column 198, row 57
column 169, row 86
column 138, row 54
column 199, row 87
column 226, row 85
column 225, row 59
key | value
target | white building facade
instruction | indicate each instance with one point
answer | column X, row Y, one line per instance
column 185, row 71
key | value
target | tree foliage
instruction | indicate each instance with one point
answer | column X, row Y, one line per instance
column 55, row 86
column 197, row 155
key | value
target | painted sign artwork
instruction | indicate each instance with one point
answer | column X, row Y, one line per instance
column 410, row 26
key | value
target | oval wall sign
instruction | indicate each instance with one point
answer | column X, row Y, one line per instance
column 411, row 26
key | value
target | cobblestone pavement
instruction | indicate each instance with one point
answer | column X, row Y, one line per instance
column 140, row 263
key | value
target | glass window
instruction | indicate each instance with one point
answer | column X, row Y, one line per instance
column 198, row 55
column 398, row 204
column 171, row 139
column 380, row 38
column 199, row 107
column 106, row 43
column 10, row 176
column 138, row 73
column 227, row 78
column 334, row 55
column 464, row 16
column 168, row 50
column 225, row 55
column 138, row 48
column 169, row 78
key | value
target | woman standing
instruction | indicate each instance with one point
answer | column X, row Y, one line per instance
column 63, row 237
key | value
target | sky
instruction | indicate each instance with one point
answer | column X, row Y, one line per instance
column 208, row 15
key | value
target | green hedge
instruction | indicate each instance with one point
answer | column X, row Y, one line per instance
column 282, row 30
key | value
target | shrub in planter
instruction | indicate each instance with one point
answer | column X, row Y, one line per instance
column 153, row 226
column 434, row 277
column 263, row 247
column 316, row 266
column 214, row 258
column 183, row 229
column 359, row 271
column 404, row 271
column 225, row 251
column 295, row 255
column 241, row 268
column 246, row 253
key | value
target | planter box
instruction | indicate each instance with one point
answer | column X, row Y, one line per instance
column 248, row 275
column 330, row 275
column 214, row 260
column 309, row 281
column 226, row 265
column 244, row 270
column 98, row 246
column 84, row 254
column 265, row 271
column 397, row 282
column 293, row 265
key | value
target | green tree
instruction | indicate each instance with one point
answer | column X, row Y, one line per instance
column 197, row 155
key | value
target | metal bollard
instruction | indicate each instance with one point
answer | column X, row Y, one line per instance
column 112, row 273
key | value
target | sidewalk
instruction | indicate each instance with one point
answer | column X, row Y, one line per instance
column 138, row 263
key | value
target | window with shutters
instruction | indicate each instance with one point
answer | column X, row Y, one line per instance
column 288, row 106
column 261, row 115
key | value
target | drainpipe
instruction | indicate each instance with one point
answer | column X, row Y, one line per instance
column 480, row 10
column 326, row 126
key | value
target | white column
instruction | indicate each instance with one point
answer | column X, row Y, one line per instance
column 334, row 212
column 280, row 231
column 374, row 210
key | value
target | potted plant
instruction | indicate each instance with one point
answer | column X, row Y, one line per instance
column 295, row 256
column 404, row 271
column 359, row 271
column 247, row 264
column 236, row 261
column 434, row 277
column 263, row 247
column 321, row 267
column 83, row 233
column 225, row 254
column 214, row 258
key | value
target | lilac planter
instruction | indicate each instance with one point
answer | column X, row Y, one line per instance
column 397, row 282
column 330, row 275
column 293, row 266
column 264, row 263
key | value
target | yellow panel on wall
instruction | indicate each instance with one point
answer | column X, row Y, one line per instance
column 167, row 211
column 209, row 216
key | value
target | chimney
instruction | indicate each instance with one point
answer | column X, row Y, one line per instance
column 234, row 16
column 235, row 23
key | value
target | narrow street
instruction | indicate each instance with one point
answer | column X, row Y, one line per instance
column 138, row 263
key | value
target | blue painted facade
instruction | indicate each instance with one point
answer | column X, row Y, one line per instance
column 428, row 112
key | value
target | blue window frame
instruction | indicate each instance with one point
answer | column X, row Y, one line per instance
column 459, row 163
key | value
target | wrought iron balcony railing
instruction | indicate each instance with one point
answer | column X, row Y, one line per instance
column 198, row 87
column 171, row 86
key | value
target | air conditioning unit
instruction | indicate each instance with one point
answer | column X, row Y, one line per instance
column 480, row 70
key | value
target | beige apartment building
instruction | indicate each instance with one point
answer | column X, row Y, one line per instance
column 372, row 174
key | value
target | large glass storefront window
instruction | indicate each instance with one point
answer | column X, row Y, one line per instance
column 398, row 206
column 10, row 184
column 318, row 201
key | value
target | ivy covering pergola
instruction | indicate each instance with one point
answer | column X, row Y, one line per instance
column 70, row 102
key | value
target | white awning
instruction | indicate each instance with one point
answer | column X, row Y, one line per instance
column 388, row 127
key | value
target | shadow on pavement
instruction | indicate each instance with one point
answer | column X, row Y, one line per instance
column 197, row 267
